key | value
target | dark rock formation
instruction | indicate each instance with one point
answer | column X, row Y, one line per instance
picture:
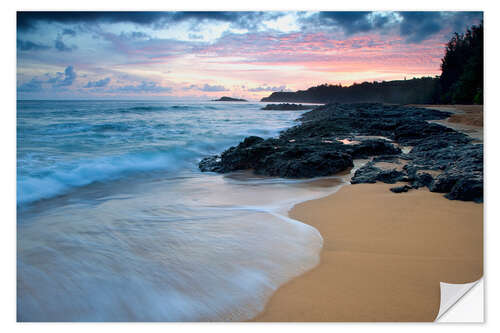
column 229, row 99
column 288, row 164
column 371, row 174
column 467, row 189
column 287, row 107
column 421, row 180
column 301, row 158
column 314, row 148
column 400, row 189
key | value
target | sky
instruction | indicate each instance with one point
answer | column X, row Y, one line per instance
column 201, row 55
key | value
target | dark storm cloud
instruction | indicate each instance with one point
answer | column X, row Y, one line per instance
column 217, row 16
column 29, row 20
column 418, row 26
column 98, row 84
column 350, row 22
column 415, row 27
column 462, row 20
column 26, row 45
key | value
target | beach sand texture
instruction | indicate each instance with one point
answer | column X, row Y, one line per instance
column 465, row 118
column 462, row 114
column 383, row 256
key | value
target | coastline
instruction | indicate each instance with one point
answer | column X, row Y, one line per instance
column 467, row 119
column 384, row 252
column 373, row 265
column 378, row 151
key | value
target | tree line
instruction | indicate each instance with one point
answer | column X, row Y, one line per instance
column 460, row 82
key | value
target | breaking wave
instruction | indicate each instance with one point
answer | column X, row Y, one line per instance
column 62, row 177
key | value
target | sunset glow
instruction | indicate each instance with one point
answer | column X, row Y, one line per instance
column 202, row 55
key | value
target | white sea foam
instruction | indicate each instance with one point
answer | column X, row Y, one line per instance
column 179, row 250
column 60, row 178
column 171, row 245
column 64, row 145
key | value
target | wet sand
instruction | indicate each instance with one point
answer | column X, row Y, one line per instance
column 383, row 256
column 465, row 118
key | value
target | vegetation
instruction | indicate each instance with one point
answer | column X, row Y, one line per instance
column 461, row 81
column 422, row 91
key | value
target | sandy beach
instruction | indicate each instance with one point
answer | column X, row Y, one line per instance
column 383, row 256
column 467, row 119
column 471, row 115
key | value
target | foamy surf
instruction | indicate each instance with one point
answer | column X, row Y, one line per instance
column 149, row 255
column 64, row 145
column 130, row 230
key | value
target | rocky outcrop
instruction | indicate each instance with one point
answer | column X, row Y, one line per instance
column 301, row 158
column 400, row 189
column 330, row 137
column 287, row 107
column 371, row 174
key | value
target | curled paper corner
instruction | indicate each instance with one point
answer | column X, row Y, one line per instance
column 452, row 293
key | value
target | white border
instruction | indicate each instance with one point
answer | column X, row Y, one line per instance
column 8, row 167
column 468, row 308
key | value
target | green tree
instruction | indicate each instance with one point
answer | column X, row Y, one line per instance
column 462, row 66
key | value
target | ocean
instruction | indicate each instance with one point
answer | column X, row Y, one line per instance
column 116, row 223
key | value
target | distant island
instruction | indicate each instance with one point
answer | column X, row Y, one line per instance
column 288, row 107
column 229, row 99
